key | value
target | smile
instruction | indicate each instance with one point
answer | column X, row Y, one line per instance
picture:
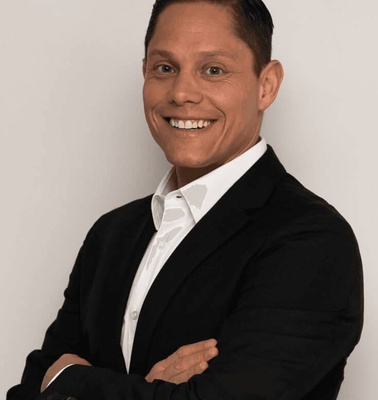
column 189, row 124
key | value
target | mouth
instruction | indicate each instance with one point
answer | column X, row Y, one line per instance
column 189, row 124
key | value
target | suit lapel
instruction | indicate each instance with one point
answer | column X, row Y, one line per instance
column 128, row 249
column 224, row 220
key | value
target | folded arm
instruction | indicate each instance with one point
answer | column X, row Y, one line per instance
column 296, row 318
column 179, row 367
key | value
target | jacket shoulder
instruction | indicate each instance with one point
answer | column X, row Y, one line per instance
column 120, row 217
column 294, row 202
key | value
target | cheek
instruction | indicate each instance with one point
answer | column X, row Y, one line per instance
column 241, row 113
column 238, row 102
column 155, row 91
column 246, row 106
column 150, row 94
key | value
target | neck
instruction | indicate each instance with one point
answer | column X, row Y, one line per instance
column 185, row 175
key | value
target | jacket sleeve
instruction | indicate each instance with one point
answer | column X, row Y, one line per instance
column 297, row 316
column 63, row 336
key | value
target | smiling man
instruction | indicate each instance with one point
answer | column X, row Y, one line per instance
column 231, row 253
column 203, row 102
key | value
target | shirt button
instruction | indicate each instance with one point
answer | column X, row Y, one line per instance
column 134, row 315
column 161, row 245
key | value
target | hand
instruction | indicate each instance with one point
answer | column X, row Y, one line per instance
column 62, row 362
column 184, row 363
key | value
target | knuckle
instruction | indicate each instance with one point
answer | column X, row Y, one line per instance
column 181, row 351
column 211, row 352
column 178, row 365
column 160, row 367
column 198, row 357
column 153, row 370
column 202, row 366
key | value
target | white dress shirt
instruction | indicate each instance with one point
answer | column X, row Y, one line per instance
column 175, row 212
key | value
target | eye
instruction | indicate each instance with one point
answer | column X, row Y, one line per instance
column 214, row 71
column 165, row 69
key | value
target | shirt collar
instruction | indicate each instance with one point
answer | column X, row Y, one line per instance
column 204, row 192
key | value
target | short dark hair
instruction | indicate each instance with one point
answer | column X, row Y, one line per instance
column 253, row 24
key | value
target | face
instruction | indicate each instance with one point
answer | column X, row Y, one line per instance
column 203, row 101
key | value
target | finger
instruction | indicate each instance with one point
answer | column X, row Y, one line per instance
column 156, row 372
column 186, row 375
column 187, row 362
column 183, row 359
column 189, row 349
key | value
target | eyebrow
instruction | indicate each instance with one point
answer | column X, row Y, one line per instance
column 202, row 54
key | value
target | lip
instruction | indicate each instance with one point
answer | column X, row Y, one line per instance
column 189, row 118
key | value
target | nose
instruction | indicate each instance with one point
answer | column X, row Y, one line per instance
column 185, row 89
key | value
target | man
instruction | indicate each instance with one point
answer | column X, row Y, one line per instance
column 235, row 248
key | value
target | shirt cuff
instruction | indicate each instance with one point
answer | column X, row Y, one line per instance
column 57, row 374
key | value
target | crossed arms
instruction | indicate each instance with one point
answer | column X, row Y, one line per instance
column 284, row 304
column 179, row 367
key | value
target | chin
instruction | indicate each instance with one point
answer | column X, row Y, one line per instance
column 185, row 161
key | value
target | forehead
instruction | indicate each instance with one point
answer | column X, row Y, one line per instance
column 196, row 27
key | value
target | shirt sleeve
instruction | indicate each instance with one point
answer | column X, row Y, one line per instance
column 57, row 374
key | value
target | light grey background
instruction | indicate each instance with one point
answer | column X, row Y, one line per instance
column 74, row 144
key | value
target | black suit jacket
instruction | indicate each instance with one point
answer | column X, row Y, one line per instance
column 273, row 272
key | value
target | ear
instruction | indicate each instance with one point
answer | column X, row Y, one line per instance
column 144, row 67
column 270, row 81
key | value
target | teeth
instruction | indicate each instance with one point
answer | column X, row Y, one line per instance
column 189, row 124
